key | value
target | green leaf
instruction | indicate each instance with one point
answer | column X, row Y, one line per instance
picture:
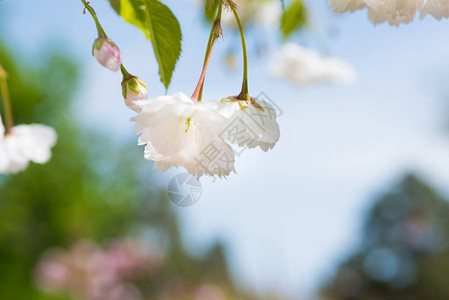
column 133, row 12
column 166, row 37
column 160, row 25
column 294, row 18
column 211, row 9
column 116, row 5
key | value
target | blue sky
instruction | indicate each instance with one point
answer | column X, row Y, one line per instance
column 291, row 214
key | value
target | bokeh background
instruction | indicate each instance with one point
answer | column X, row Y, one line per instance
column 350, row 204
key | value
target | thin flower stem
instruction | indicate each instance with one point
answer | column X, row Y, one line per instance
column 6, row 99
column 203, row 74
column 212, row 35
column 101, row 32
column 244, row 95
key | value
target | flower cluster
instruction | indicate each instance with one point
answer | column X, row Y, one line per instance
column 182, row 131
column 89, row 272
column 109, row 56
column 304, row 66
column 177, row 131
column 24, row 144
column 394, row 12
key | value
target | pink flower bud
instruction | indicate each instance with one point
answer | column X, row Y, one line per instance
column 107, row 54
column 134, row 89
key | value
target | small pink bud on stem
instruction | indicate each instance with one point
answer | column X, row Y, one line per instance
column 107, row 53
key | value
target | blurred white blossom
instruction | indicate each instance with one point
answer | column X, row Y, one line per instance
column 268, row 13
column 209, row 292
column 394, row 12
column 264, row 13
column 179, row 132
column 24, row 144
column 347, row 5
column 437, row 8
column 304, row 66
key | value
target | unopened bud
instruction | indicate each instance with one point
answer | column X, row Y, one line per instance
column 107, row 53
column 133, row 89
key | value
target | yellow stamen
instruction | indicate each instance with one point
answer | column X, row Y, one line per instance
column 188, row 124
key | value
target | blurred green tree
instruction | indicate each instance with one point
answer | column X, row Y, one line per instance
column 404, row 252
column 91, row 189
column 71, row 197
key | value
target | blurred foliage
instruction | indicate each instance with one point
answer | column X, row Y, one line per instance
column 294, row 18
column 404, row 252
column 67, row 199
column 91, row 189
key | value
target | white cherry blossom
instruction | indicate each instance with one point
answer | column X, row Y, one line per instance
column 179, row 132
column 437, row 8
column 395, row 12
column 341, row 6
column 248, row 123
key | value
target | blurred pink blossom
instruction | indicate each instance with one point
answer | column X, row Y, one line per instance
column 91, row 272
column 209, row 292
